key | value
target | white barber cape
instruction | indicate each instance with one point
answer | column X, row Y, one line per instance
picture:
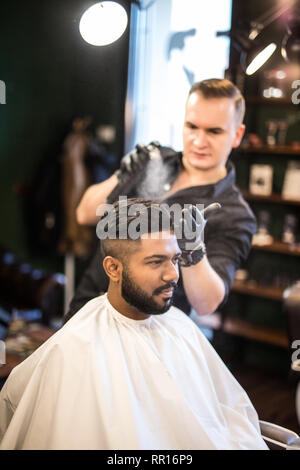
column 105, row 381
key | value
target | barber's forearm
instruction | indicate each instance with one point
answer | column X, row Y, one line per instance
column 204, row 288
column 92, row 198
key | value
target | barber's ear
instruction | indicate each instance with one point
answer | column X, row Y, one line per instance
column 113, row 268
column 239, row 135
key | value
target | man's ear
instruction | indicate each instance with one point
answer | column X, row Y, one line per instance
column 113, row 268
column 238, row 135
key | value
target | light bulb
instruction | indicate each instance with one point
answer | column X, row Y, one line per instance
column 103, row 23
column 261, row 58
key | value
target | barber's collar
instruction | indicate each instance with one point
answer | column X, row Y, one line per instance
column 215, row 189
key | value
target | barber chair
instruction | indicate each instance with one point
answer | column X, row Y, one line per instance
column 279, row 438
column 275, row 436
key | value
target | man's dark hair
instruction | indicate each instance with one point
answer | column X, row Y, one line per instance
column 130, row 211
column 221, row 88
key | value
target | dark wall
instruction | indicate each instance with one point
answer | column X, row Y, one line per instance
column 51, row 75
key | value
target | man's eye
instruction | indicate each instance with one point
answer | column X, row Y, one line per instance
column 216, row 131
column 189, row 125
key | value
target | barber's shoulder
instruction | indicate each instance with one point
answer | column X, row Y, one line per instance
column 242, row 206
column 233, row 202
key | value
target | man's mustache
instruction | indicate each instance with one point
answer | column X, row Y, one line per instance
column 166, row 286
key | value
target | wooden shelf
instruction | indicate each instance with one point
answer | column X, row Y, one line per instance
column 279, row 247
column 255, row 332
column 276, row 149
column 246, row 329
column 277, row 198
column 246, row 288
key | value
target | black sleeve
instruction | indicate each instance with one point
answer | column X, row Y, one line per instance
column 93, row 283
column 228, row 243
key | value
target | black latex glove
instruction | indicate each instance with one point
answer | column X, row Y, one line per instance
column 132, row 167
column 189, row 234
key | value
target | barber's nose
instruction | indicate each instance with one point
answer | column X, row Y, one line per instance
column 200, row 138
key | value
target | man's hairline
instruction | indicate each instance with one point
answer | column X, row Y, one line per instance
column 137, row 242
column 199, row 92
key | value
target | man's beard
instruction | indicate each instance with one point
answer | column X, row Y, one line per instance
column 139, row 299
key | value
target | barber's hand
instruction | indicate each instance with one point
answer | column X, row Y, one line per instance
column 132, row 166
column 189, row 234
column 134, row 162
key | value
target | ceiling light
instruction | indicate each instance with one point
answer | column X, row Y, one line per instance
column 260, row 58
column 253, row 52
column 103, row 23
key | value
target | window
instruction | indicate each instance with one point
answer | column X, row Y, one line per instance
column 173, row 44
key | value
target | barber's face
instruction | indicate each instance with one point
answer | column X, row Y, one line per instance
column 210, row 132
column 149, row 279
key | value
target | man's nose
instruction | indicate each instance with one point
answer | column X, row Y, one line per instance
column 200, row 139
column 170, row 273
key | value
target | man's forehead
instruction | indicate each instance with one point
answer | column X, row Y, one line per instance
column 159, row 243
column 215, row 108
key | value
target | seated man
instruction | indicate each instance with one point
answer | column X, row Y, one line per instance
column 129, row 371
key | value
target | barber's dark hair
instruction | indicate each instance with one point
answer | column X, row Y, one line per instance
column 221, row 88
column 119, row 247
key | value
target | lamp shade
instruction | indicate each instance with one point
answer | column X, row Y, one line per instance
column 252, row 53
column 290, row 47
column 103, row 23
